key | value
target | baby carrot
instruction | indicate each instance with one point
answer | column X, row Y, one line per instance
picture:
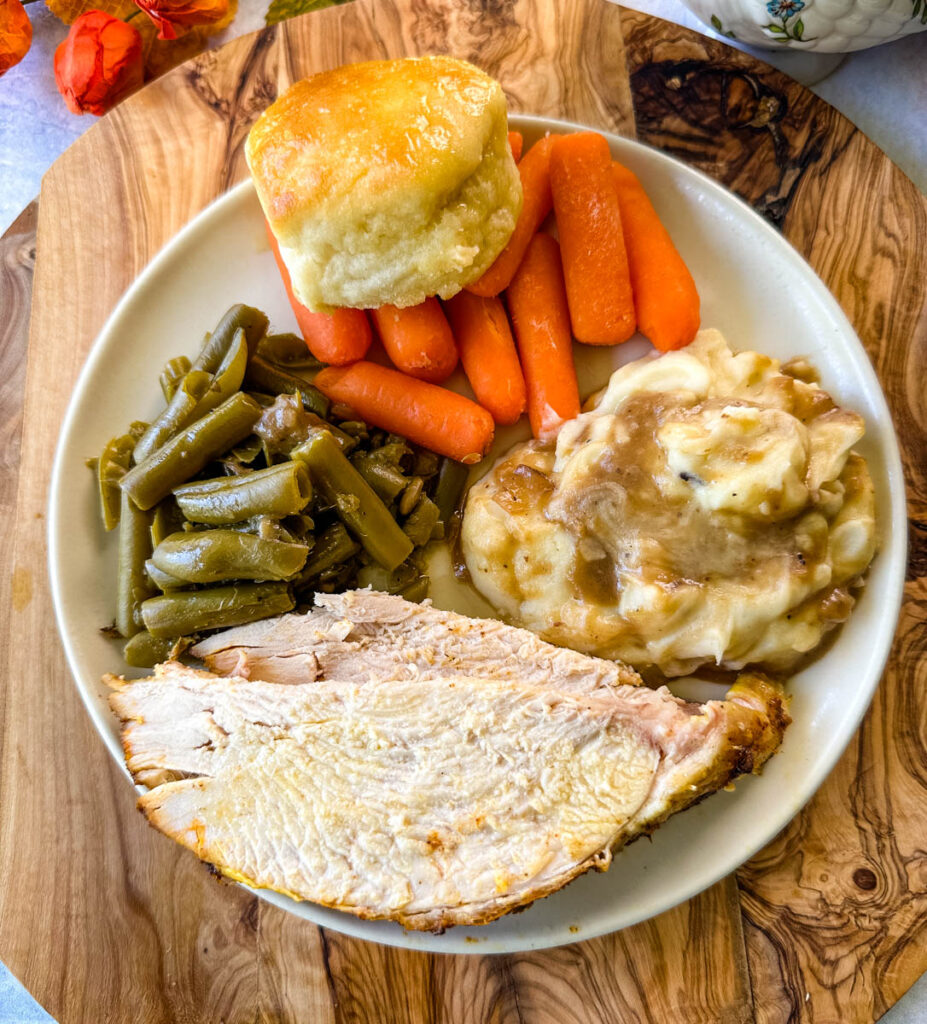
column 488, row 355
column 534, row 169
column 665, row 297
column 538, row 307
column 433, row 417
column 516, row 144
column 595, row 264
column 337, row 338
column 418, row 339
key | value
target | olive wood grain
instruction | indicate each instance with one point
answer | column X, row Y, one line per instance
column 836, row 908
column 105, row 920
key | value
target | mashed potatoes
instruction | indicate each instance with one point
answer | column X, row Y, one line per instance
column 707, row 508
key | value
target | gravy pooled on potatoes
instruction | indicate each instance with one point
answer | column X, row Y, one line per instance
column 707, row 508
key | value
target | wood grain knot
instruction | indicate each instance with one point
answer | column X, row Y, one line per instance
column 732, row 123
column 917, row 550
column 500, row 11
column 865, row 878
column 238, row 96
column 20, row 255
column 705, row 97
column 249, row 916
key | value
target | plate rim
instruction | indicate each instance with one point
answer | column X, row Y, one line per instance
column 893, row 548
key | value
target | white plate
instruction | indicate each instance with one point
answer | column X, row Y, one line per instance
column 753, row 286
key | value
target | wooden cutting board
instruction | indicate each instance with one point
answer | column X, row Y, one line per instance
column 102, row 918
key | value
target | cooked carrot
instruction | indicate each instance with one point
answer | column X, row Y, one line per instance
column 595, row 264
column 534, row 170
column 418, row 339
column 433, row 417
column 337, row 338
column 516, row 144
column 488, row 355
column 538, row 307
column 665, row 298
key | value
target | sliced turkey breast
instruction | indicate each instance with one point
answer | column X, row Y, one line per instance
column 431, row 802
column 363, row 633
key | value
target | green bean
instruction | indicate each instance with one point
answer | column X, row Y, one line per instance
column 228, row 377
column 237, row 461
column 246, row 452
column 345, row 442
column 452, row 478
column 422, row 521
column 301, row 527
column 239, row 317
column 392, row 451
column 213, row 556
column 179, row 614
column 425, row 463
column 269, row 528
column 188, row 452
column 216, row 375
column 162, row 580
column 265, row 376
column 332, row 546
column 389, row 582
column 145, row 651
column 416, row 591
column 281, row 490
column 111, row 467
column 288, row 351
column 264, row 401
column 179, row 412
column 260, row 524
column 197, row 394
column 337, row 579
column 384, row 478
column 172, row 374
column 410, row 495
column 356, row 504
column 167, row 519
column 132, row 583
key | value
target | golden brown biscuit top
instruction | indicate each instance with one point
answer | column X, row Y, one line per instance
column 361, row 129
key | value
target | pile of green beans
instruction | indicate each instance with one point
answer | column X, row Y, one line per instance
column 249, row 493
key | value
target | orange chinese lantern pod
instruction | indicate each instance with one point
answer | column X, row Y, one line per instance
column 99, row 63
column 174, row 17
column 15, row 33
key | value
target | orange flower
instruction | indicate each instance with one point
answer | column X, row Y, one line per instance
column 99, row 63
column 171, row 15
column 15, row 33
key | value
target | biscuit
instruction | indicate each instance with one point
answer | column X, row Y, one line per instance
column 387, row 181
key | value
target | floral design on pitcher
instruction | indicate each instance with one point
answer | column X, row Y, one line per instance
column 719, row 28
column 785, row 11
